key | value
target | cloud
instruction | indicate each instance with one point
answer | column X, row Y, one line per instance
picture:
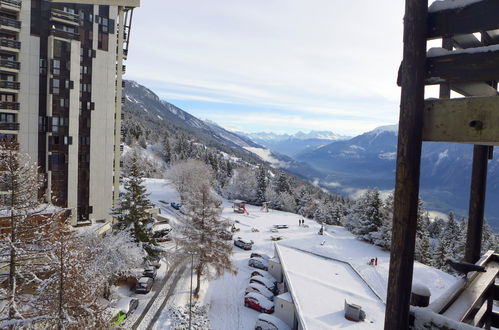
column 316, row 57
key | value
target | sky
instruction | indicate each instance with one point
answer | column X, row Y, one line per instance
column 273, row 65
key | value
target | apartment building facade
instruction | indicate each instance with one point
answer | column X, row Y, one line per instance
column 61, row 67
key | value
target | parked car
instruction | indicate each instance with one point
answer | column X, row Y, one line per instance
column 144, row 285
column 260, row 255
column 263, row 273
column 225, row 235
column 258, row 302
column 281, row 226
column 269, row 284
column 125, row 307
column 150, row 271
column 270, row 322
column 243, row 243
column 259, row 263
column 176, row 206
column 154, row 262
column 255, row 287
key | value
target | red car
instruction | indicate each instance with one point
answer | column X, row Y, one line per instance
column 258, row 302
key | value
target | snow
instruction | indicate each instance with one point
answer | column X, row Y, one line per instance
column 420, row 289
column 387, row 128
column 262, row 301
column 388, row 155
column 450, row 4
column 286, row 296
column 331, row 272
column 437, row 51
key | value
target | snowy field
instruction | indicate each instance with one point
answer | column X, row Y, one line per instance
column 355, row 279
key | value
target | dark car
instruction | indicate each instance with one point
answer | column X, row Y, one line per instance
column 258, row 302
column 144, row 285
column 268, row 283
column 243, row 243
column 150, row 272
column 225, row 235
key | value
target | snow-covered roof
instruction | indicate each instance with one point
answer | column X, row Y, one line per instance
column 337, row 270
column 286, row 296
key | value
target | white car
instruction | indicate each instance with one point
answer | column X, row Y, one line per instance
column 270, row 322
column 269, row 284
column 261, row 289
column 259, row 263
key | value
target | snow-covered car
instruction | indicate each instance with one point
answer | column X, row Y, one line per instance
column 150, row 271
column 281, row 226
column 255, row 287
column 258, row 302
column 243, row 243
column 154, row 262
column 260, row 255
column 259, row 263
column 269, row 284
column 123, row 308
column 144, row 285
column 263, row 273
column 270, row 322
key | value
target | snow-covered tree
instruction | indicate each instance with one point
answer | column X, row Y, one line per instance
column 261, row 180
column 367, row 216
column 243, row 185
column 187, row 174
column 198, row 234
column 132, row 211
column 423, row 249
column 22, row 225
column 65, row 298
column 282, row 184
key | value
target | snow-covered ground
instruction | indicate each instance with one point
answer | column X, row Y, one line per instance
column 357, row 282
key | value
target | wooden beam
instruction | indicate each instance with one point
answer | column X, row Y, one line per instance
column 466, row 41
column 408, row 166
column 476, row 17
column 474, row 89
column 464, row 120
column 460, row 66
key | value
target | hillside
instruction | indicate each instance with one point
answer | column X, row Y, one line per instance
column 368, row 160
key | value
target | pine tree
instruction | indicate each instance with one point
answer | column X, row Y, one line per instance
column 198, row 235
column 132, row 212
column 367, row 216
column 261, row 184
column 423, row 248
column 282, row 184
column 167, row 152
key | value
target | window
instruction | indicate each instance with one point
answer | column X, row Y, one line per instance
column 7, row 117
column 57, row 48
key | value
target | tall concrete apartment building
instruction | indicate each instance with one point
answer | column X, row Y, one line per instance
column 61, row 67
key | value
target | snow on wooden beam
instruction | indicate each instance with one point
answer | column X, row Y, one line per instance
column 465, row 120
column 472, row 16
column 474, row 89
column 465, row 65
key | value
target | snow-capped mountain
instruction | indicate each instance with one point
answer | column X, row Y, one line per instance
column 293, row 144
column 368, row 160
column 142, row 102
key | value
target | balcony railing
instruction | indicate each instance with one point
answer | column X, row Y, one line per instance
column 10, row 64
column 10, row 43
column 9, row 105
column 10, row 22
column 9, row 126
column 9, row 145
column 65, row 34
column 61, row 14
column 16, row 3
column 9, row 84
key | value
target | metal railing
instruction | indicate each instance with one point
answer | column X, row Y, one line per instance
column 10, row 43
column 65, row 34
column 61, row 14
column 9, row 105
column 10, row 64
column 9, row 126
column 9, row 84
column 10, row 22
column 16, row 3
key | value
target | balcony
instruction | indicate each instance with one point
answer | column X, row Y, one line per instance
column 9, row 145
column 63, row 16
column 10, row 43
column 9, row 105
column 64, row 34
column 8, row 64
column 9, row 126
column 10, row 84
column 14, row 5
column 10, row 24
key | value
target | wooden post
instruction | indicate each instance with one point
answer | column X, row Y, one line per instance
column 477, row 203
column 408, row 166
